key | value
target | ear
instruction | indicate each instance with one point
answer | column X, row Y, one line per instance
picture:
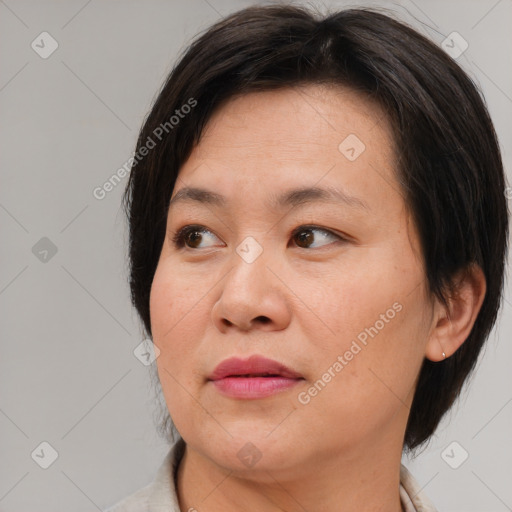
column 451, row 326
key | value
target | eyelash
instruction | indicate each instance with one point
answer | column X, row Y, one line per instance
column 178, row 238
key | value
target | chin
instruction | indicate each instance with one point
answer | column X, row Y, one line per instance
column 251, row 449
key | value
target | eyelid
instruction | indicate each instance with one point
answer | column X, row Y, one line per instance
column 180, row 233
column 302, row 227
column 178, row 242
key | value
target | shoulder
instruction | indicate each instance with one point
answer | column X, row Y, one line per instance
column 160, row 494
column 136, row 502
column 412, row 496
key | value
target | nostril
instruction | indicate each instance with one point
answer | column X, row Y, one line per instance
column 262, row 319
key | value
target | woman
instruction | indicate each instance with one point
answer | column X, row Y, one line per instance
column 318, row 230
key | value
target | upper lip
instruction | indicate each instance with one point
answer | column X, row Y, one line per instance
column 255, row 365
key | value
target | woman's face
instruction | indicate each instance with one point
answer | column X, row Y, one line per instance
column 331, row 286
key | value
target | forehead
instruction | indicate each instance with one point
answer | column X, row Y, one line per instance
column 309, row 136
column 305, row 115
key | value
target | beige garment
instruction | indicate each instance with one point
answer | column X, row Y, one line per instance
column 160, row 495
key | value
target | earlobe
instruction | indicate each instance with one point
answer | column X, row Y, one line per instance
column 452, row 325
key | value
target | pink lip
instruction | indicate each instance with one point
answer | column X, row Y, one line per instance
column 239, row 378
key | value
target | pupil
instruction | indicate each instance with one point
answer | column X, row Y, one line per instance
column 305, row 236
column 194, row 236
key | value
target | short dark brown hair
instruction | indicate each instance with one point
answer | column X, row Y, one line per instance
column 448, row 158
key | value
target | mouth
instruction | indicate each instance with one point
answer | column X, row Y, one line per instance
column 254, row 366
column 253, row 378
column 256, row 375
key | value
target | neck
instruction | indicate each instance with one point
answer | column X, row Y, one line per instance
column 351, row 481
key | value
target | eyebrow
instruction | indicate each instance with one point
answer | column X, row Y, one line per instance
column 290, row 198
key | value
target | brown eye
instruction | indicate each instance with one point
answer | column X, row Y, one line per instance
column 190, row 237
column 305, row 236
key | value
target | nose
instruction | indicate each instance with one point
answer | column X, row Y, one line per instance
column 252, row 296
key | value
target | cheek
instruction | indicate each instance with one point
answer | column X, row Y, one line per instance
column 375, row 319
column 173, row 313
column 360, row 387
column 351, row 300
column 173, row 303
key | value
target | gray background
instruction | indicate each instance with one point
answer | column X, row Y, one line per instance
column 68, row 375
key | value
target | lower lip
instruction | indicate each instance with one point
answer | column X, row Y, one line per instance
column 253, row 387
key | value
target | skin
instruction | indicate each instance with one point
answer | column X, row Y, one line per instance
column 300, row 304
